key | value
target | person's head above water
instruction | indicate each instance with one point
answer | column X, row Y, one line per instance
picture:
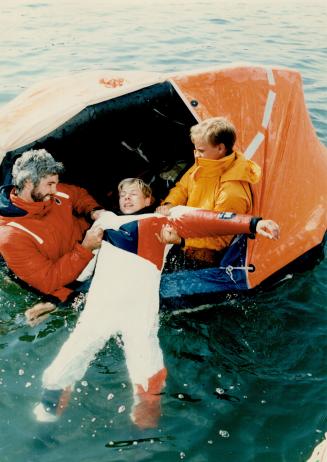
column 213, row 138
column 35, row 175
column 134, row 195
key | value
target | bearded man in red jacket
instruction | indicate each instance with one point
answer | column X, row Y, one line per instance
column 44, row 236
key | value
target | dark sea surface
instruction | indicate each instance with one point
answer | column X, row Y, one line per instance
column 247, row 378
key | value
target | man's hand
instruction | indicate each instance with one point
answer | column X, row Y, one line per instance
column 95, row 214
column 168, row 235
column 268, row 228
column 38, row 313
column 93, row 238
column 164, row 209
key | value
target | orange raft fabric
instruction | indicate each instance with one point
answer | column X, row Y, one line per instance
column 274, row 129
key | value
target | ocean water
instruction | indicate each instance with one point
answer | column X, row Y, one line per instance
column 247, row 378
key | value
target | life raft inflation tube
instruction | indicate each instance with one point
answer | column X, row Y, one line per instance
column 205, row 223
column 141, row 236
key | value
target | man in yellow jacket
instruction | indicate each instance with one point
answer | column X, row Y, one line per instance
column 219, row 180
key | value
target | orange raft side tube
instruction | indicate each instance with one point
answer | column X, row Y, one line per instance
column 189, row 222
column 273, row 127
column 205, row 223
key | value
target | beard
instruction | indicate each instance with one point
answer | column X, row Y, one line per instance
column 38, row 197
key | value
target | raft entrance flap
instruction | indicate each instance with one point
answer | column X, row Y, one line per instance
column 141, row 134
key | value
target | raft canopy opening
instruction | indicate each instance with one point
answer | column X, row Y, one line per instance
column 140, row 134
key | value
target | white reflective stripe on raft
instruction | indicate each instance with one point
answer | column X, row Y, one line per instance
column 22, row 228
column 268, row 108
column 259, row 137
column 271, row 78
column 253, row 146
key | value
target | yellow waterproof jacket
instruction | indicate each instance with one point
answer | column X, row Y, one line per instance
column 222, row 185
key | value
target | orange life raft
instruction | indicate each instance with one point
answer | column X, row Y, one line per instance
column 106, row 126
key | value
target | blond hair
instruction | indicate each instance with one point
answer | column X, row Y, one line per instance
column 142, row 186
column 214, row 131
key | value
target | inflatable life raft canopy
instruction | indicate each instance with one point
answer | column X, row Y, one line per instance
column 106, row 126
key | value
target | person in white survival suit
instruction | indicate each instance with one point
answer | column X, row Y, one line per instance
column 124, row 298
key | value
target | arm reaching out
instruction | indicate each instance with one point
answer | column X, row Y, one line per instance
column 191, row 222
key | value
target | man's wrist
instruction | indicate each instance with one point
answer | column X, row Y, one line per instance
column 253, row 224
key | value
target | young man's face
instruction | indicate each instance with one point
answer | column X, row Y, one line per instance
column 132, row 199
column 207, row 151
column 46, row 188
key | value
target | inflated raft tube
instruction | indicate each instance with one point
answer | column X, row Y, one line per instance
column 106, row 126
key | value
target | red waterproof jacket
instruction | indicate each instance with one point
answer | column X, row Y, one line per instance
column 40, row 241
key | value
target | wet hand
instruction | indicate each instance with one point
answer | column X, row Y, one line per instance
column 168, row 235
column 93, row 238
column 38, row 313
column 96, row 214
column 268, row 228
column 164, row 209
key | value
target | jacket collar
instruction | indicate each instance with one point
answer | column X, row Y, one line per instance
column 211, row 167
column 35, row 209
column 230, row 168
column 7, row 208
